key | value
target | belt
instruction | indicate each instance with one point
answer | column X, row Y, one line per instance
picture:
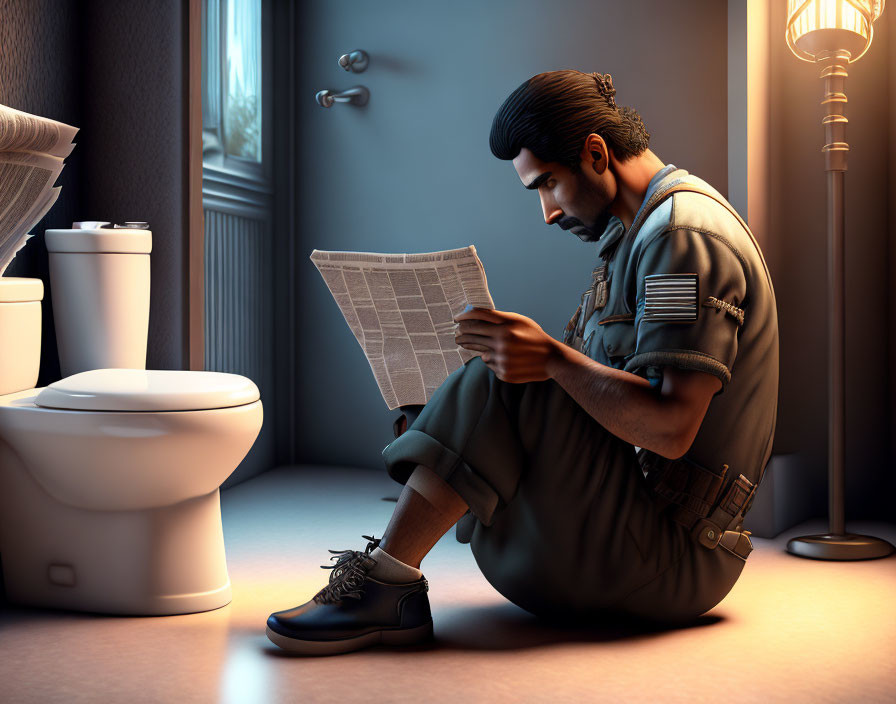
column 706, row 503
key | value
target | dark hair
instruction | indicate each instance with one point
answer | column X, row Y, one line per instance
column 552, row 113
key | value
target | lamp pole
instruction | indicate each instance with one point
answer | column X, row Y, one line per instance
column 837, row 544
column 833, row 72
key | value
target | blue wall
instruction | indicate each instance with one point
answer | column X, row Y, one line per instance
column 413, row 172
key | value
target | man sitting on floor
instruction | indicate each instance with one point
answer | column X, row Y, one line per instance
column 610, row 471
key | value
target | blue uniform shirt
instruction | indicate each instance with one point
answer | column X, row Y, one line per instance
column 687, row 287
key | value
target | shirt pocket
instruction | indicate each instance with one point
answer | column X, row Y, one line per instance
column 618, row 337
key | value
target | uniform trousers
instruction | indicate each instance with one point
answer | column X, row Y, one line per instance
column 566, row 524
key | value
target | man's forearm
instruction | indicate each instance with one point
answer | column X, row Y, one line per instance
column 623, row 403
column 517, row 350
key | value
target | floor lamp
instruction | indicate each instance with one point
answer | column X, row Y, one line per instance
column 833, row 33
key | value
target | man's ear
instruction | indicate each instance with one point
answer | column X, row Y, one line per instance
column 595, row 152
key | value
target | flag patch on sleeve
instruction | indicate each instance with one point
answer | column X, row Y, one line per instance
column 670, row 297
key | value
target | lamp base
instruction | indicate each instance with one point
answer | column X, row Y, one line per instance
column 840, row 547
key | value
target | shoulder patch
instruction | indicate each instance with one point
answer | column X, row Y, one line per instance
column 671, row 297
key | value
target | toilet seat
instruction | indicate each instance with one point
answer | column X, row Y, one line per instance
column 147, row 390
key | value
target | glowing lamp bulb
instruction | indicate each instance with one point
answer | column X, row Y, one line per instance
column 818, row 27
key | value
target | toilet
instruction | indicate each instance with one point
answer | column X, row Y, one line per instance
column 109, row 478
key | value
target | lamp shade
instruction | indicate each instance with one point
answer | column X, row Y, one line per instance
column 815, row 27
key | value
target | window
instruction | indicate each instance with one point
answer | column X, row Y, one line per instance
column 233, row 100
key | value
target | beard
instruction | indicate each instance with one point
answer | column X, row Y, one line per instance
column 596, row 193
column 586, row 233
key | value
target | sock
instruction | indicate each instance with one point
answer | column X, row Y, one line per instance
column 392, row 571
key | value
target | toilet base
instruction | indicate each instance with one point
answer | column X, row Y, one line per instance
column 154, row 562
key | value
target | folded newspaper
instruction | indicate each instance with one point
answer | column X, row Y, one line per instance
column 32, row 150
column 400, row 308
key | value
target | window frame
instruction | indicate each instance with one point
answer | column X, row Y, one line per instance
column 233, row 176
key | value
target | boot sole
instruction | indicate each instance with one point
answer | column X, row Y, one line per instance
column 404, row 636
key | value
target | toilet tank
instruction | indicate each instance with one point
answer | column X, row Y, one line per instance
column 99, row 283
column 19, row 333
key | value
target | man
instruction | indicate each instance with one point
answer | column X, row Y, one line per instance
column 607, row 472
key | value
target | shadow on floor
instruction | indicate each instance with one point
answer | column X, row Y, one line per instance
column 505, row 627
column 17, row 614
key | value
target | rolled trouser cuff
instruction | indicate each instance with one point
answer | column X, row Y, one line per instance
column 417, row 448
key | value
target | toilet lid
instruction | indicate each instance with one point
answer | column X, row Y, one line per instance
column 14, row 289
column 109, row 241
column 148, row 390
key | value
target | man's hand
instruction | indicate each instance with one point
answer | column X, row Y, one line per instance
column 512, row 345
column 663, row 420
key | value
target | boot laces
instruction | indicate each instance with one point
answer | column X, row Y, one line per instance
column 349, row 573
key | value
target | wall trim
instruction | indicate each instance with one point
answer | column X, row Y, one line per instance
column 194, row 338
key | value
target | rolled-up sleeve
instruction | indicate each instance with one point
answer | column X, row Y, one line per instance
column 691, row 289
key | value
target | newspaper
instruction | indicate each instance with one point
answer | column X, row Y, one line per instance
column 32, row 150
column 400, row 308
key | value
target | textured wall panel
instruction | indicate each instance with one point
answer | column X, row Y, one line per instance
column 238, row 315
column 40, row 73
column 135, row 146
column 125, row 90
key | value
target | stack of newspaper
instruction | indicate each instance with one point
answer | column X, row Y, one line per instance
column 31, row 152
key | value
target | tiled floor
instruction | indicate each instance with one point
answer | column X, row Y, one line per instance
column 792, row 630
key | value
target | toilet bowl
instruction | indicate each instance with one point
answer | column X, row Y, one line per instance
column 109, row 478
column 109, row 489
